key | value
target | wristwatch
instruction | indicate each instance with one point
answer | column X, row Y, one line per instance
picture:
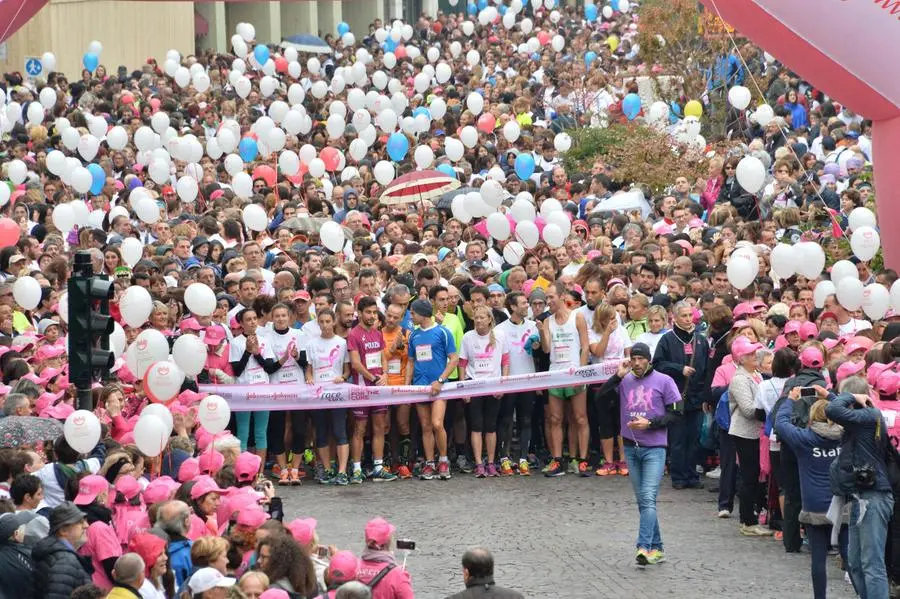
column 442, row 380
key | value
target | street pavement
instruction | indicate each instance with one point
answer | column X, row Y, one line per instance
column 567, row 538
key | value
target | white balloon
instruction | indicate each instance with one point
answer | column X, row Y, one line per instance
column 764, row 115
column 117, row 138
column 319, row 89
column 242, row 87
column 443, row 72
column 473, row 57
column 475, row 103
column 553, row 235
column 332, row 236
column 289, row 162
column 117, row 340
column 492, row 193
column 35, row 113
column 438, row 108
column 865, row 242
column 522, row 211
column 457, row 208
column 810, row 259
column 558, row 42
column 514, row 251
column 307, row 153
column 469, row 136
column 242, row 185
column 17, row 171
column 549, row 206
column 843, row 269
column 132, row 249
column 423, row 156
column 163, row 381
column 751, row 174
column 739, row 96
column 4, row 194
column 48, row 62
column 783, row 261
column 81, row 179
column 136, row 306
column 607, row 12
column 317, row 168
column 511, row 130
column 526, row 26
column 561, row 220
column 160, row 122
column 384, row 172
column 861, row 217
column 876, row 300
column 527, row 234
column 562, row 142
column 27, row 292
column 498, row 226
column 82, row 431
column 822, row 291
column 247, row 31
column 895, row 296
column 468, row 28
column 150, row 435
column 56, row 162
column 474, row 204
column 850, row 294
column 214, row 414
column 161, row 412
column 88, row 146
column 742, row 269
column 63, row 218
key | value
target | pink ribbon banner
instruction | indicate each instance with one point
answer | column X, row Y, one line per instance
column 302, row 396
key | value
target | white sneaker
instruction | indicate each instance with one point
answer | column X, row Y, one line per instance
column 714, row 474
column 723, row 514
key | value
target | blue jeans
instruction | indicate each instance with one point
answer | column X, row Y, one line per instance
column 867, row 539
column 260, row 429
column 645, row 470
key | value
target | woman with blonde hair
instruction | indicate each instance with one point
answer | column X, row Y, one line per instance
column 608, row 341
column 484, row 353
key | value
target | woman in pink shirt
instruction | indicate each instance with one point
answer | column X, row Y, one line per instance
column 217, row 364
column 102, row 545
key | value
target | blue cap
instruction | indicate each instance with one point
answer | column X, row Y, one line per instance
column 496, row 288
column 442, row 253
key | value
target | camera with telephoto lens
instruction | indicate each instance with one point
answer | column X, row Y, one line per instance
column 864, row 476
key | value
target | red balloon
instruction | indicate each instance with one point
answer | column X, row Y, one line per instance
column 9, row 232
column 486, row 123
column 400, row 52
column 543, row 37
column 331, row 157
column 437, row 27
column 281, row 64
column 266, row 173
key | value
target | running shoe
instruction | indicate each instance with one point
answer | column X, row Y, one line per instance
column 276, row 472
column 341, row 479
column 723, row 514
column 607, row 469
column 622, row 468
column 715, row 473
column 656, row 556
column 383, row 475
column 427, row 472
column 284, row 476
column 480, row 471
column 506, row 468
column 357, row 477
column 444, row 470
column 554, row 468
column 584, row 469
column 533, row 462
column 642, row 557
column 296, row 475
column 573, row 466
column 463, row 463
column 492, row 470
column 403, row 472
column 524, row 468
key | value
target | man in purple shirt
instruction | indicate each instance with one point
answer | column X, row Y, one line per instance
column 649, row 402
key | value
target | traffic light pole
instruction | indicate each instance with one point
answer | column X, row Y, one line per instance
column 89, row 330
column 81, row 379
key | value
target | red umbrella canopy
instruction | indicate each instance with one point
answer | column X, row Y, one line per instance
column 418, row 186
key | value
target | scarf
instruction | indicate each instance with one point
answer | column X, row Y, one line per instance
column 827, row 430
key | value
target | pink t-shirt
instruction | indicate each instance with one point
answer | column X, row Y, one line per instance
column 370, row 345
column 129, row 520
column 102, row 543
column 724, row 373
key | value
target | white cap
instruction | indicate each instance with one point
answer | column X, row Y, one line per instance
column 206, row 579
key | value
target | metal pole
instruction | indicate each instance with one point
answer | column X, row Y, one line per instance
column 82, row 269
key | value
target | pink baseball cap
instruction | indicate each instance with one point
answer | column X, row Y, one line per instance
column 808, row 330
column 128, row 486
column 252, row 518
column 189, row 469
column 858, row 343
column 792, row 326
column 246, row 466
column 740, row 324
column 379, row 531
column 811, row 357
column 744, row 309
column 780, row 342
column 343, row 567
column 190, row 324
column 830, row 344
column 214, row 335
column 275, row 594
column 888, row 383
column 60, row 411
column 89, row 488
column 205, row 484
column 158, row 490
column 188, row 397
column 848, row 369
column 210, row 462
column 304, row 530
column 875, row 370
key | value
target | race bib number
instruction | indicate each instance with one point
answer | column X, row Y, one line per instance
column 324, row 374
column 423, row 353
column 289, row 375
column 373, row 361
column 483, row 367
column 561, row 354
column 256, row 374
column 394, row 366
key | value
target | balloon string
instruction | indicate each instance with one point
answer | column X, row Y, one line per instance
column 780, row 130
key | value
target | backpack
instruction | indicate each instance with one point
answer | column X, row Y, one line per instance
column 723, row 412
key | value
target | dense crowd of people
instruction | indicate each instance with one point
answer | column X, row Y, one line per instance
column 775, row 391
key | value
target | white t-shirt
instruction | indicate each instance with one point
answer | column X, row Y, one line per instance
column 290, row 371
column 253, row 374
column 485, row 360
column 327, row 357
column 651, row 339
column 853, row 326
column 517, row 335
column 53, row 493
column 618, row 342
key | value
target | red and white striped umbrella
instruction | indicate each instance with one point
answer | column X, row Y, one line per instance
column 417, row 187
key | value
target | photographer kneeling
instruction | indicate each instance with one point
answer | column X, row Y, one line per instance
column 859, row 475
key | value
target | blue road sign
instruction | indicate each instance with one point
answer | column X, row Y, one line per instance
column 33, row 66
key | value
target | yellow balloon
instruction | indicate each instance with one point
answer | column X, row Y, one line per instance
column 613, row 42
column 693, row 108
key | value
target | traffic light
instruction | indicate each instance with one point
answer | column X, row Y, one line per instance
column 89, row 328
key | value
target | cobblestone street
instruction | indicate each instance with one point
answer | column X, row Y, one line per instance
column 562, row 538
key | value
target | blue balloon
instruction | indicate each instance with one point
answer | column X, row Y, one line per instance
column 421, row 110
column 397, row 146
column 91, row 61
column 343, row 28
column 447, row 170
column 589, row 57
column 247, row 149
column 590, row 12
column 674, row 112
column 535, row 56
column 524, row 166
column 631, row 106
column 501, row 9
column 471, row 9
column 261, row 54
column 98, row 177
column 389, row 45
column 482, row 4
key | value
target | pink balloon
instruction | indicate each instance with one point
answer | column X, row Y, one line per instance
column 486, row 123
column 543, row 37
column 9, row 232
column 481, row 227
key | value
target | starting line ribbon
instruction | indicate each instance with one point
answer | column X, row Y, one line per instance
column 305, row 396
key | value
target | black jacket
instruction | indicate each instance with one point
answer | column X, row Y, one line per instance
column 670, row 359
column 16, row 571
column 745, row 203
column 485, row 587
column 863, row 445
column 805, row 377
column 58, row 569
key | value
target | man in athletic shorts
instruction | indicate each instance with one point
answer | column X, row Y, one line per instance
column 366, row 347
column 396, row 361
column 564, row 335
column 434, row 355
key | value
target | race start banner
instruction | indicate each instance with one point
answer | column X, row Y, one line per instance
column 303, row 396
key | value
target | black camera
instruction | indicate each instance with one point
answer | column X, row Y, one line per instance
column 406, row 544
column 864, row 477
